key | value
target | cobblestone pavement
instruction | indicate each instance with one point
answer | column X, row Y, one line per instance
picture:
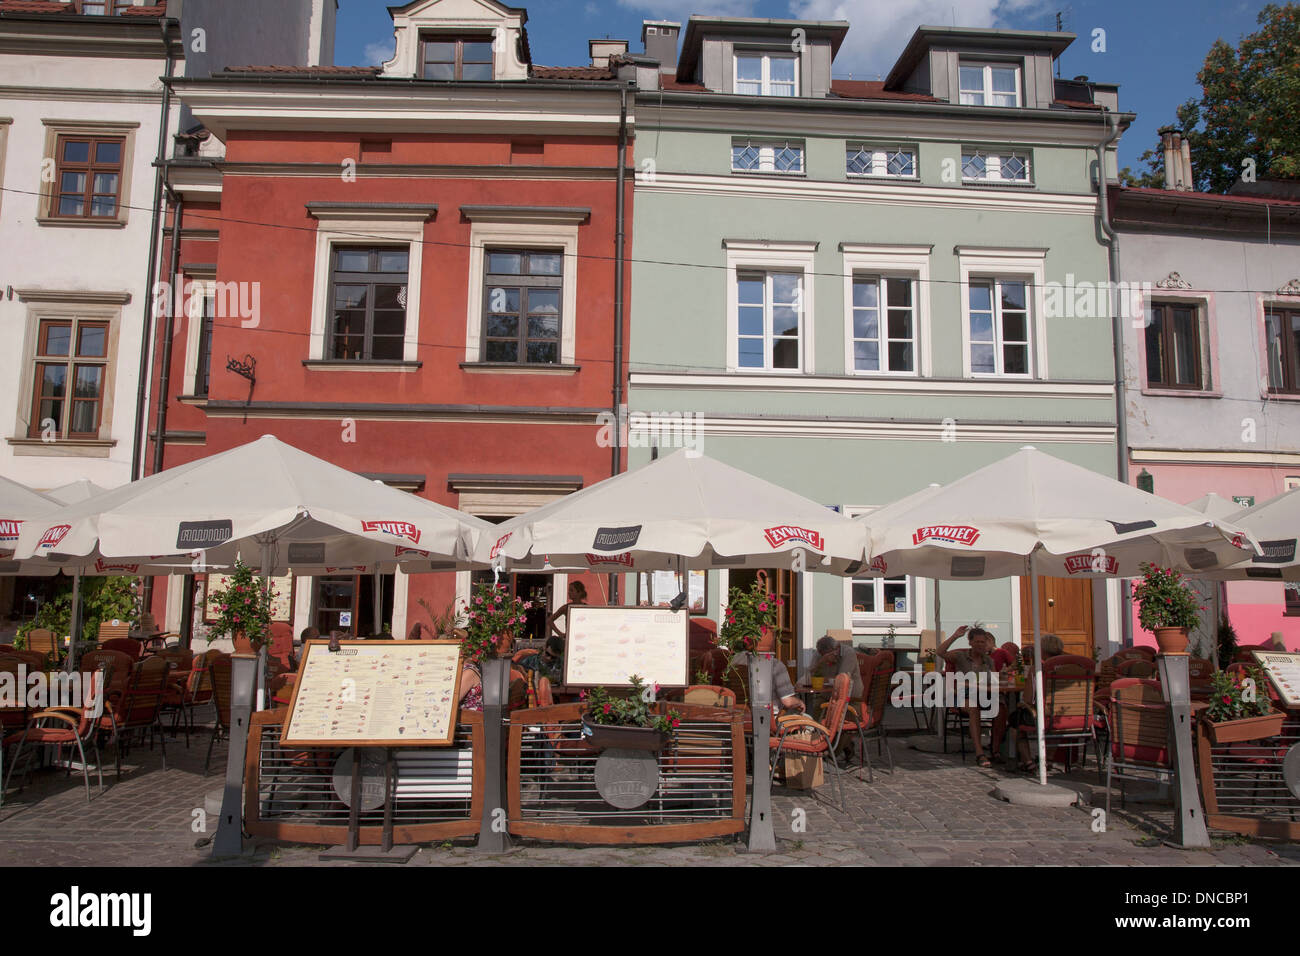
column 932, row 810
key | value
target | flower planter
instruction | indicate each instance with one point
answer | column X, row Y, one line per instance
column 1171, row 640
column 242, row 644
column 613, row 736
column 1245, row 728
column 767, row 643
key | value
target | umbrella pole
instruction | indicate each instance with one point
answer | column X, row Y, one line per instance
column 1038, row 669
column 378, row 586
column 938, row 639
column 74, row 623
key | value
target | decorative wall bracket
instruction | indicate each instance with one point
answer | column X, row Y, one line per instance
column 245, row 369
column 1290, row 288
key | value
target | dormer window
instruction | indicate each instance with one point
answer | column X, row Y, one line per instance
column 990, row 84
column 767, row 74
column 456, row 58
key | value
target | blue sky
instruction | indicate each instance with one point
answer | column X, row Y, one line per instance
column 1153, row 47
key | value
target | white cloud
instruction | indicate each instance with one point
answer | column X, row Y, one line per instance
column 377, row 54
column 681, row 10
column 879, row 31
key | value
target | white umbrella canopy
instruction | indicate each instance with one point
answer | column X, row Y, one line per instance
column 1216, row 506
column 18, row 506
column 75, row 491
column 275, row 505
column 1276, row 523
column 686, row 509
column 985, row 525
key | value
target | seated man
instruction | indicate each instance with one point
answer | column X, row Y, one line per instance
column 782, row 689
column 838, row 657
column 976, row 659
column 307, row 634
column 548, row 663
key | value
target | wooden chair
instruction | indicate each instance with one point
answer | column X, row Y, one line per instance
column 219, row 674
column 126, row 645
column 13, row 717
column 815, row 739
column 869, row 722
column 139, row 708
column 1138, row 724
column 182, row 661
column 46, row 643
column 1069, row 719
column 1201, row 672
column 117, row 670
column 710, row 695
column 35, row 660
column 113, row 630
column 63, row 727
column 1136, row 667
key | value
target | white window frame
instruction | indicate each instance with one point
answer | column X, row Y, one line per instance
column 880, row 161
column 767, row 156
column 205, row 286
column 766, row 82
column 354, row 227
column 987, row 91
column 993, row 160
column 523, row 235
column 1028, row 265
column 909, row 624
column 751, row 256
column 891, row 262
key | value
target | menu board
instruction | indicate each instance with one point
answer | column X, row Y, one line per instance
column 607, row 645
column 1283, row 670
column 281, row 603
column 375, row 693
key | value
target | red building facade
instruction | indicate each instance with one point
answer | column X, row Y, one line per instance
column 410, row 271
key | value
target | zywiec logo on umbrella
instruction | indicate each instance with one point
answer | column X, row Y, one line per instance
column 501, row 543
column 787, row 532
column 9, row 528
column 1239, row 541
column 1091, row 564
column 54, row 535
column 196, row 535
column 399, row 550
column 110, row 567
column 880, row 564
column 398, row 529
column 951, row 533
column 616, row 539
column 358, row 568
column 623, row 559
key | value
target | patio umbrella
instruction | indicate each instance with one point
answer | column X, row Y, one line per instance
column 75, row 491
column 682, row 511
column 267, row 499
column 18, row 506
column 1034, row 514
column 1276, row 523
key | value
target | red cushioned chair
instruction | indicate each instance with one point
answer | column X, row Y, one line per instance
column 869, row 722
column 1069, row 718
column 64, row 727
column 127, row 645
column 815, row 739
column 138, row 708
column 13, row 717
column 1138, row 723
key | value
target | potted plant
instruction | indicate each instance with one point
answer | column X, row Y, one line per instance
column 927, row 661
column 625, row 722
column 492, row 621
column 1227, row 641
column 1239, row 710
column 243, row 609
column 750, row 622
column 1167, row 607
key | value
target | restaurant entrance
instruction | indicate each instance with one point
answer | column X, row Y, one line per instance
column 782, row 584
column 346, row 603
column 1064, row 609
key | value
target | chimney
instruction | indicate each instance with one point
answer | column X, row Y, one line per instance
column 1189, row 183
column 602, row 50
column 659, row 37
column 1177, row 159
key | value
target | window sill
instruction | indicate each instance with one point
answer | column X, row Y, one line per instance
column 770, row 173
column 511, row 368
column 874, row 178
column 81, row 223
column 997, row 183
column 1280, row 396
column 198, row 401
column 63, row 447
column 332, row 365
column 1182, row 392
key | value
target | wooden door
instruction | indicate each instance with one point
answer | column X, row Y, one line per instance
column 1064, row 609
column 784, row 584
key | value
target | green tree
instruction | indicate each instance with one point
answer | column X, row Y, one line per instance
column 1249, row 109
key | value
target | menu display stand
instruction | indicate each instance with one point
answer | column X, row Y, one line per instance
column 607, row 645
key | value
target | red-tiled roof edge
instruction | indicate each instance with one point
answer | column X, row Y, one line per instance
column 572, row 72
column 1208, row 197
column 56, row 6
column 307, row 70
column 875, row 90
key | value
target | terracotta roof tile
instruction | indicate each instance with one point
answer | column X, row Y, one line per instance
column 1209, row 197
column 572, row 73
column 1077, row 105
column 875, row 90
column 55, row 6
column 672, row 83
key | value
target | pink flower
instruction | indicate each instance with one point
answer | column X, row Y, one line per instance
column 763, row 606
column 607, row 708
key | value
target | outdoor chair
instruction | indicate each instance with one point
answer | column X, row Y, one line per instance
column 46, row 643
column 1135, row 667
column 1069, row 719
column 127, row 645
column 800, row 734
column 173, row 703
column 957, row 720
column 869, row 721
column 1138, row 723
column 117, row 667
column 113, row 630
column 12, row 717
column 138, row 708
column 64, row 727
column 1201, row 672
column 219, row 676
column 34, row 660
column 709, row 695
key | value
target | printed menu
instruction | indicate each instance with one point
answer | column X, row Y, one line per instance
column 1284, row 671
column 375, row 693
column 606, row 645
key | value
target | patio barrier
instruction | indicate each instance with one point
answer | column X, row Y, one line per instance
column 1243, row 786
column 695, row 792
column 290, row 793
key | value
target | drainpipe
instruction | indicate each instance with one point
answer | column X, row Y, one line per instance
column 620, row 215
column 137, row 441
column 165, row 373
column 1117, row 336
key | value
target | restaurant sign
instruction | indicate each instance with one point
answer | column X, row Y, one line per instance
column 626, row 779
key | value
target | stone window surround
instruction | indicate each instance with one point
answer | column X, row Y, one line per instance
column 1207, row 320
column 890, row 261
column 1265, row 303
column 1027, row 264
column 746, row 254
column 56, row 128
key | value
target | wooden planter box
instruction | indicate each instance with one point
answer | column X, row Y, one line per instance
column 1247, row 728
column 611, row 737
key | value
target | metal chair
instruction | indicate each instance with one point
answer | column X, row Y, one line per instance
column 1138, row 723
column 1069, row 720
column 138, row 708
column 815, row 739
column 65, row 726
column 219, row 673
column 870, row 723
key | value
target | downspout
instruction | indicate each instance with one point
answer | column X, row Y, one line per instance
column 165, row 373
column 137, row 441
column 1117, row 336
column 620, row 226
